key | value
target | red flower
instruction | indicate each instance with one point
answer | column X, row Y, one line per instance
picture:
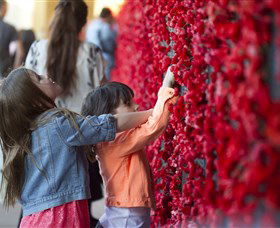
column 219, row 156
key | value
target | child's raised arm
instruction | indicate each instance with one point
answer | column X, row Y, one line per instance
column 79, row 131
column 130, row 120
column 137, row 138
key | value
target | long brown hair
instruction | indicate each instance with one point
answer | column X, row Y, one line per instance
column 21, row 102
column 69, row 19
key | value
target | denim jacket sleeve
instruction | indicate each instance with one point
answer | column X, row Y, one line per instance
column 91, row 129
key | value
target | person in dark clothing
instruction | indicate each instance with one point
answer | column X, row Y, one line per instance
column 95, row 189
column 26, row 38
column 8, row 37
column 103, row 32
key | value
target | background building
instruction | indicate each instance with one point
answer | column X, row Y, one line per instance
column 36, row 14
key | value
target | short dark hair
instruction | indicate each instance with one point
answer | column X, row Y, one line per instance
column 105, row 99
column 105, row 12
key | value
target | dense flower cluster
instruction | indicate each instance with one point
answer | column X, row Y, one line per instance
column 219, row 156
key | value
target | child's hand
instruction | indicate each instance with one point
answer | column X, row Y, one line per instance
column 168, row 80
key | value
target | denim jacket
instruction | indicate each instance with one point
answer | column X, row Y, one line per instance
column 57, row 173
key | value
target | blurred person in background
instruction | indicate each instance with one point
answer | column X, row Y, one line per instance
column 26, row 38
column 8, row 43
column 103, row 32
column 77, row 66
column 8, row 57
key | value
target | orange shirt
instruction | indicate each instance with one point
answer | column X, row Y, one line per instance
column 123, row 163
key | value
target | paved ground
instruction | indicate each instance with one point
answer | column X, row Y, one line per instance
column 9, row 219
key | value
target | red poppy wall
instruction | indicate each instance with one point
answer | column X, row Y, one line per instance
column 218, row 161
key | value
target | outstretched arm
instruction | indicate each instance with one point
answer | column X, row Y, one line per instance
column 130, row 120
column 77, row 130
column 137, row 138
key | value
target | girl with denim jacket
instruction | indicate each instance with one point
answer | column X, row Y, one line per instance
column 45, row 153
column 124, row 166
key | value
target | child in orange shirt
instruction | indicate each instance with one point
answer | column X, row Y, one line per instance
column 123, row 163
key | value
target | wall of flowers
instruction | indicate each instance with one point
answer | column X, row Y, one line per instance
column 218, row 162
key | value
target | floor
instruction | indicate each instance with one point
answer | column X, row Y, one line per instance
column 9, row 219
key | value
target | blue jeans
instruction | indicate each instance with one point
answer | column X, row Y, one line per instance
column 131, row 217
